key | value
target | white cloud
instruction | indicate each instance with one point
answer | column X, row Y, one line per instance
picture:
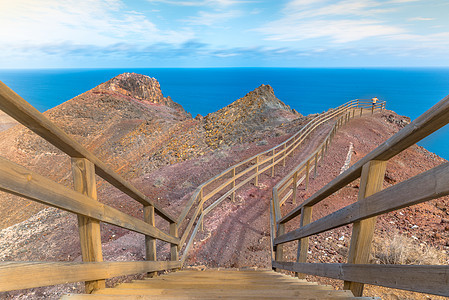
column 78, row 22
column 213, row 3
column 421, row 19
column 338, row 21
column 210, row 18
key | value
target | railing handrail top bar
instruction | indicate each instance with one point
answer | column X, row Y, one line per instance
column 19, row 109
column 430, row 121
column 261, row 153
column 303, row 163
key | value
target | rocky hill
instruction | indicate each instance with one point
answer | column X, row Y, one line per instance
column 152, row 141
column 128, row 123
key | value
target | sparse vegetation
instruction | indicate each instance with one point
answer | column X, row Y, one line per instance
column 401, row 249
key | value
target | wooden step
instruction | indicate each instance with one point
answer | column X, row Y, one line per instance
column 142, row 297
column 219, row 284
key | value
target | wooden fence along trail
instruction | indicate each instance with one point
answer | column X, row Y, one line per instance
column 82, row 201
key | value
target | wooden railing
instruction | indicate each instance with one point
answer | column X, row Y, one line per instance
column 82, row 200
column 372, row 202
column 226, row 183
column 18, row 180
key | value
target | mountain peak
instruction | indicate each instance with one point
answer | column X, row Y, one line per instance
column 137, row 86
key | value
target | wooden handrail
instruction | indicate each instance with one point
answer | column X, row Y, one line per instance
column 254, row 170
column 429, row 122
column 19, row 109
column 423, row 279
column 372, row 202
column 25, row 275
column 420, row 188
column 18, row 180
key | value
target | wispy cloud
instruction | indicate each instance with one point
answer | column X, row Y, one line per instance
column 338, row 21
column 420, row 19
column 213, row 3
column 83, row 22
column 210, row 18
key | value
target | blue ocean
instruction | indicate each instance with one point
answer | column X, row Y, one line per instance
column 408, row 91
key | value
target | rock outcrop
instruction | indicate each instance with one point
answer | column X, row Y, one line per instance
column 258, row 110
column 128, row 123
column 139, row 87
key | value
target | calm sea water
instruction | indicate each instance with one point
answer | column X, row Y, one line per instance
column 409, row 92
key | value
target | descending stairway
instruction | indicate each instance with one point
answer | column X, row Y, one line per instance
column 219, row 284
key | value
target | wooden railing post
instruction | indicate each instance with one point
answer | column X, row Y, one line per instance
column 89, row 229
column 202, row 208
column 303, row 244
column 150, row 243
column 233, row 185
column 361, row 111
column 307, row 174
column 280, row 248
column 316, row 165
column 256, row 179
column 284, row 155
column 294, row 187
column 174, row 247
column 322, row 152
column 371, row 181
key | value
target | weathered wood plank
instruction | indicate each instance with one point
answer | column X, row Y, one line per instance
column 23, row 112
column 238, row 291
column 371, row 182
column 429, row 122
column 24, row 275
column 20, row 181
column 303, row 244
column 423, row 187
column 150, row 243
column 173, row 247
column 83, row 172
column 424, row 279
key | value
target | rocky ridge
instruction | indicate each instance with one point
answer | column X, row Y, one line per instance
column 128, row 123
column 167, row 154
column 255, row 112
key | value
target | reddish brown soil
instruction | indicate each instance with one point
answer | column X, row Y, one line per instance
column 183, row 153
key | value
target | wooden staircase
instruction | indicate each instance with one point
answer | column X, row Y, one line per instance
column 219, row 284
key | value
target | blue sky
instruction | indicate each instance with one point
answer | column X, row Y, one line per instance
column 223, row 33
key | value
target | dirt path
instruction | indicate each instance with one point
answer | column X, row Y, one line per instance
column 237, row 234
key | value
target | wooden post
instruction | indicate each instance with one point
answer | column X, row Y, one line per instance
column 256, row 180
column 272, row 162
column 322, row 152
column 371, row 181
column 150, row 243
column 233, row 185
column 174, row 247
column 200, row 202
column 294, row 187
column 307, row 174
column 303, row 244
column 316, row 166
column 361, row 110
column 353, row 113
column 284, row 155
column 89, row 229
column 279, row 251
